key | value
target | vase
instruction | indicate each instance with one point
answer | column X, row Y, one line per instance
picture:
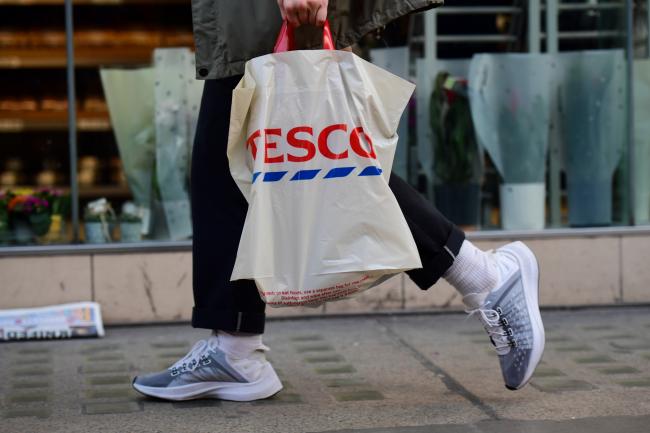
column 459, row 202
column 590, row 202
column 130, row 231
column 40, row 223
column 22, row 232
column 56, row 232
column 97, row 232
column 522, row 206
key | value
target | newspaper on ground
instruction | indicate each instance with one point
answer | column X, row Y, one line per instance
column 81, row 319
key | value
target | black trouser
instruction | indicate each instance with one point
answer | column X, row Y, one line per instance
column 218, row 214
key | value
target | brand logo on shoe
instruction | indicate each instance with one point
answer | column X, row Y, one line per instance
column 189, row 366
column 512, row 342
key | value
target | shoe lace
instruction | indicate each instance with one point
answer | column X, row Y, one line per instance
column 195, row 357
column 496, row 327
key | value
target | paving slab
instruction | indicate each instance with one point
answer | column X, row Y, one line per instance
column 571, row 383
column 405, row 373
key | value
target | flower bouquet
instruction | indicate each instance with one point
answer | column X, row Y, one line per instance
column 28, row 215
column 99, row 221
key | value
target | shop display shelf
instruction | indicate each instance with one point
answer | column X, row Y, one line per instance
column 84, row 57
column 22, row 121
column 108, row 191
column 86, row 192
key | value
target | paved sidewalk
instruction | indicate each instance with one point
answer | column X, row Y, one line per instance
column 427, row 373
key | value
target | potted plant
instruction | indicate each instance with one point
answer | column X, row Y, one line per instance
column 457, row 158
column 29, row 216
column 59, row 209
column 99, row 221
column 130, row 223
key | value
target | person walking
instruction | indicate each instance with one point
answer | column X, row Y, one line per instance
column 499, row 287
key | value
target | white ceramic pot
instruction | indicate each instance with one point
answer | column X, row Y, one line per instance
column 522, row 206
column 95, row 233
column 130, row 232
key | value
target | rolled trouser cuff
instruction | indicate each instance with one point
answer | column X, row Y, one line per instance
column 435, row 267
column 229, row 321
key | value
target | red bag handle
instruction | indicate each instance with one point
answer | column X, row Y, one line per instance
column 286, row 41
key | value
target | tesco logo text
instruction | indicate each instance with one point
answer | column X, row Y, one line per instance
column 302, row 147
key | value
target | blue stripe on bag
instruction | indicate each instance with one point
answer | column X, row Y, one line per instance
column 371, row 171
column 256, row 175
column 274, row 176
column 305, row 175
column 339, row 172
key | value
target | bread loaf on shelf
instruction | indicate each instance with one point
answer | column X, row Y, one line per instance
column 19, row 104
column 54, row 104
column 94, row 104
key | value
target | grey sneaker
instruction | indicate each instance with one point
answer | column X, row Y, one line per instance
column 209, row 372
column 510, row 314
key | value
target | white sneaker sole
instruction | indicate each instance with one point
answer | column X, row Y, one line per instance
column 530, row 280
column 268, row 385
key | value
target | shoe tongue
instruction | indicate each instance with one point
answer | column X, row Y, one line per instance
column 474, row 301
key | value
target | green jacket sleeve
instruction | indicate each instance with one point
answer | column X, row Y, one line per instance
column 229, row 33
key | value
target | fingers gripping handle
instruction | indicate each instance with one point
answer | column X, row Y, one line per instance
column 285, row 41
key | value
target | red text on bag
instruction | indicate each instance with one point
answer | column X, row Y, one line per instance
column 303, row 148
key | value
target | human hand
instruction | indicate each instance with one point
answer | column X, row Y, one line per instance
column 299, row 12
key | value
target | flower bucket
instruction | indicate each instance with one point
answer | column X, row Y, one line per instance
column 590, row 202
column 97, row 232
column 40, row 223
column 522, row 206
column 22, row 232
column 130, row 231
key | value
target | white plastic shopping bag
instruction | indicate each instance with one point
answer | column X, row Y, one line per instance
column 311, row 143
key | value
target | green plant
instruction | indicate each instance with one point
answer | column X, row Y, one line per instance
column 130, row 218
column 59, row 202
column 92, row 218
column 456, row 152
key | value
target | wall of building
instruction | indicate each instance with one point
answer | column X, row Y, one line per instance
column 145, row 287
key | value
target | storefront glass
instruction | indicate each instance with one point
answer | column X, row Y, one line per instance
column 506, row 132
column 34, row 161
column 549, row 105
column 136, row 108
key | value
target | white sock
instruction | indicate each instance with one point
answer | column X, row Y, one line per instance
column 474, row 274
column 239, row 346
